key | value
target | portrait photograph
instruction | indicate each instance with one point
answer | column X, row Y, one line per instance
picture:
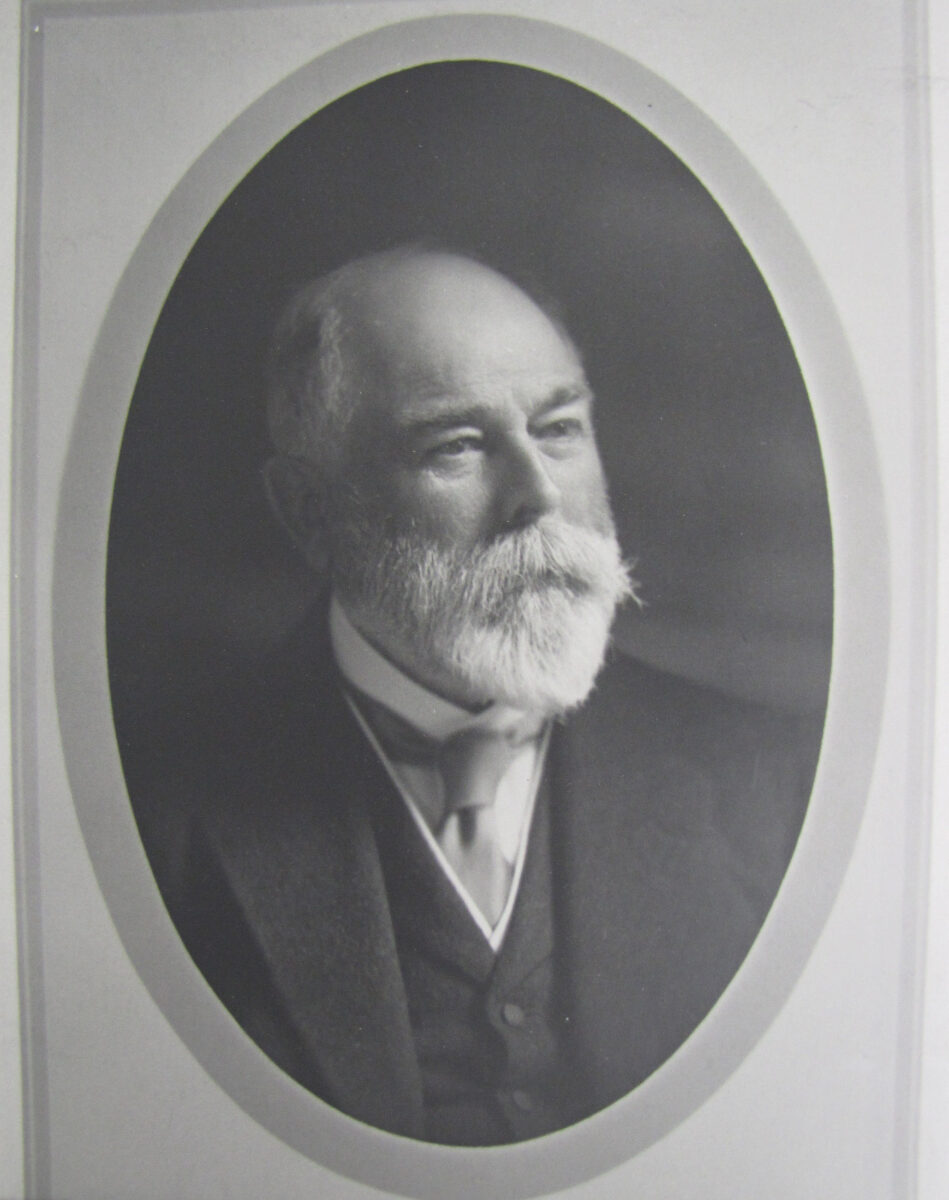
column 473, row 670
column 421, row 402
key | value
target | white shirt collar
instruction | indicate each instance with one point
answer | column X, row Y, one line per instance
column 371, row 673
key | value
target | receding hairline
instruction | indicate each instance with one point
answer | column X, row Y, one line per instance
column 316, row 367
column 351, row 284
column 375, row 270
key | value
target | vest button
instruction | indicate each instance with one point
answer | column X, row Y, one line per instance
column 513, row 1014
column 522, row 1100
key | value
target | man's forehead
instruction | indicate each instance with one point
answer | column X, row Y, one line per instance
column 441, row 322
column 441, row 275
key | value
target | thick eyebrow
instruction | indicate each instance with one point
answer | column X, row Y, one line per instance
column 575, row 394
column 452, row 416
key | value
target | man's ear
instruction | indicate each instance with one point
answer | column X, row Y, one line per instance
column 295, row 501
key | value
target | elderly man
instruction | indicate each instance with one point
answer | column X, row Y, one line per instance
column 455, row 875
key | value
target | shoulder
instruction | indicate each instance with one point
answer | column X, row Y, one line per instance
column 633, row 699
column 245, row 742
column 651, row 748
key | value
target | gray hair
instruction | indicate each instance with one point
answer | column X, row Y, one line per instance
column 314, row 375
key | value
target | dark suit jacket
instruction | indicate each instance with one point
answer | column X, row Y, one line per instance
column 674, row 812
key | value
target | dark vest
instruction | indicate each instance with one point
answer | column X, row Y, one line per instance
column 492, row 1045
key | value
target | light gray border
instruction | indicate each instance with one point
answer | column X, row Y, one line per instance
column 24, row 470
column 861, row 613
column 922, row 663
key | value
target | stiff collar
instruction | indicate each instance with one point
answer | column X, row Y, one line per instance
column 370, row 672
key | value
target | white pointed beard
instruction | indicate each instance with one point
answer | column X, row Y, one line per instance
column 523, row 620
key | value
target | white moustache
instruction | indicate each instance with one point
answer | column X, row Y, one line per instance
column 553, row 555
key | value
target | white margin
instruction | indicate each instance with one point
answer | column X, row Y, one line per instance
column 933, row 1150
column 11, row 1141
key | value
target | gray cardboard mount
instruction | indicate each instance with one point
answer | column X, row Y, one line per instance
column 804, row 122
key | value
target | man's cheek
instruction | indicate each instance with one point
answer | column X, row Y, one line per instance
column 451, row 515
column 591, row 507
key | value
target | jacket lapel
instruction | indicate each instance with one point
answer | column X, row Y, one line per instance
column 294, row 839
column 652, row 917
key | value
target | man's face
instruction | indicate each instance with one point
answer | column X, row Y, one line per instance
column 479, row 421
column 473, row 541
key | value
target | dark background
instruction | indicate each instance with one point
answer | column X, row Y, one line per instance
column 704, row 422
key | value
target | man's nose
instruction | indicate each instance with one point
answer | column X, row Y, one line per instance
column 527, row 491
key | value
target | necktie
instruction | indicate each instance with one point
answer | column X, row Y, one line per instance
column 472, row 764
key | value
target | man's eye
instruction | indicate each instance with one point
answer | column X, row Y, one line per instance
column 455, row 447
column 565, row 427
